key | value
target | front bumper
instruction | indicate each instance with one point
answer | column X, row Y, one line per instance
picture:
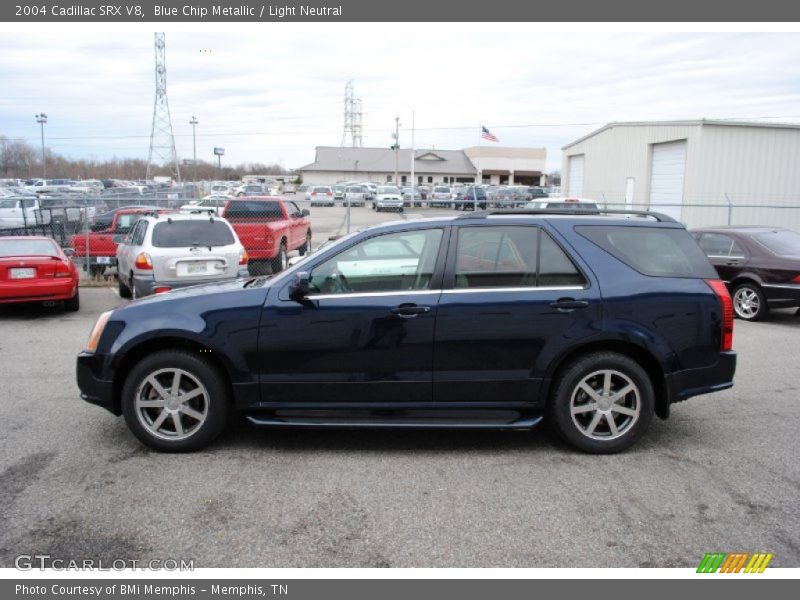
column 94, row 389
column 693, row 382
column 145, row 285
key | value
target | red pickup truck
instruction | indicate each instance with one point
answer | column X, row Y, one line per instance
column 102, row 247
column 269, row 228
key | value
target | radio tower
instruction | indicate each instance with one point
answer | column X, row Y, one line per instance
column 352, row 117
column 162, row 141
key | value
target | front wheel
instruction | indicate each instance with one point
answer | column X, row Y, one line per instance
column 175, row 401
column 602, row 403
column 749, row 302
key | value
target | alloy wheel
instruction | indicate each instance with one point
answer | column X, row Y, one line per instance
column 605, row 405
column 171, row 404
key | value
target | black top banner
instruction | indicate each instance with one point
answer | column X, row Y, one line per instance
column 400, row 11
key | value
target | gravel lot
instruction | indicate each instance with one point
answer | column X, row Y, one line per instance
column 721, row 475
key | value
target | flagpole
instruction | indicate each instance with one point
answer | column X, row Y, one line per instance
column 412, row 160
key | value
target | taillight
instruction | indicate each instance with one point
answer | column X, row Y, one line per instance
column 243, row 258
column 143, row 262
column 796, row 279
column 161, row 289
column 721, row 290
column 328, row 193
column 62, row 269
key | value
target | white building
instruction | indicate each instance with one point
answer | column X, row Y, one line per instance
column 488, row 164
column 700, row 172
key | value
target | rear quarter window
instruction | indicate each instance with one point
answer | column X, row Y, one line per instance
column 653, row 251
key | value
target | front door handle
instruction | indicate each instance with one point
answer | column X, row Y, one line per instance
column 410, row 310
column 568, row 304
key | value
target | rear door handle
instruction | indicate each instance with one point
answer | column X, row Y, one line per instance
column 410, row 310
column 568, row 304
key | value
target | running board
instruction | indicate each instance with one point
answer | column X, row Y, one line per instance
column 526, row 423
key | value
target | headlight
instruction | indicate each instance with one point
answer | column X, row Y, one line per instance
column 97, row 331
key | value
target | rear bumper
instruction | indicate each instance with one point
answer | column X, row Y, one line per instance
column 94, row 389
column 146, row 285
column 693, row 382
column 37, row 290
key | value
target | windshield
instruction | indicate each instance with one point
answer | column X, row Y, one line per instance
column 388, row 190
column 781, row 242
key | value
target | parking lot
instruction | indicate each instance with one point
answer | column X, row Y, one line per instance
column 720, row 475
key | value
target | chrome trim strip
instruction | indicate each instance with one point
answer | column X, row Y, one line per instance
column 789, row 286
column 376, row 294
column 515, row 289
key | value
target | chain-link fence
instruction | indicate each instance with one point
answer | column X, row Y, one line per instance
column 90, row 224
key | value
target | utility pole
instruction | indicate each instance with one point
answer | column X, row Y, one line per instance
column 396, row 150
column 194, row 123
column 41, row 118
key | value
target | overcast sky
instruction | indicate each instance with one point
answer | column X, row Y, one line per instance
column 273, row 94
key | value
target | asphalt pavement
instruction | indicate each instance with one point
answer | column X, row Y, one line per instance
column 722, row 474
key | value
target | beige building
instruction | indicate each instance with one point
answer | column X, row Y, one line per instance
column 508, row 166
column 488, row 164
column 700, row 172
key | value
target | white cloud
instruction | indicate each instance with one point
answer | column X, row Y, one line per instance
column 273, row 93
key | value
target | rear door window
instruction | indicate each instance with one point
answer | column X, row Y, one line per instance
column 719, row 245
column 654, row 251
column 512, row 256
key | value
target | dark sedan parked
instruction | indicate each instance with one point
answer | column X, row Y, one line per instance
column 760, row 265
column 487, row 321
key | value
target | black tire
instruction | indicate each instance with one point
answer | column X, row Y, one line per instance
column 124, row 290
column 306, row 247
column 280, row 262
column 216, row 402
column 591, row 430
column 74, row 303
column 749, row 303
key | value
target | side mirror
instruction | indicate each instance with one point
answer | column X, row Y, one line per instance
column 69, row 252
column 118, row 238
column 301, row 286
column 305, row 212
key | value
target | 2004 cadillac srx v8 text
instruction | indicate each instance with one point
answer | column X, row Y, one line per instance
column 490, row 320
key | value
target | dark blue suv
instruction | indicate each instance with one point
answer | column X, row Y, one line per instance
column 485, row 321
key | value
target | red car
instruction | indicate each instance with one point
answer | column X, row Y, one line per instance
column 35, row 269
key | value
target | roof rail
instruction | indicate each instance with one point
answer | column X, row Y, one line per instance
column 482, row 214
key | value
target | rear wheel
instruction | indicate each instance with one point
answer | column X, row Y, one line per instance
column 306, row 247
column 124, row 290
column 175, row 401
column 281, row 261
column 74, row 303
column 602, row 403
column 749, row 302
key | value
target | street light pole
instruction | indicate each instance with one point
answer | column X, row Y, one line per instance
column 194, row 123
column 396, row 150
column 41, row 118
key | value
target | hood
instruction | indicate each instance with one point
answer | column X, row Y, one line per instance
column 207, row 289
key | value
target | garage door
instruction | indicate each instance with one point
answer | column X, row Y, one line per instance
column 575, row 181
column 666, row 179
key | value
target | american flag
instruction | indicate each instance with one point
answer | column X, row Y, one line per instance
column 488, row 135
